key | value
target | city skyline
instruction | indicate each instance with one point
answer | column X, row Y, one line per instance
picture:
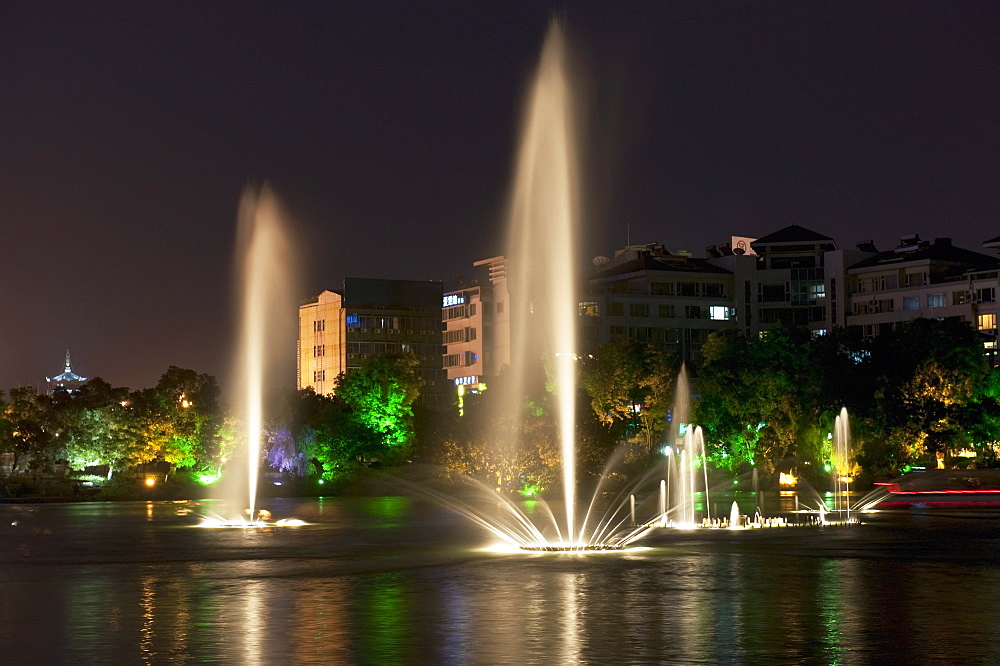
column 389, row 132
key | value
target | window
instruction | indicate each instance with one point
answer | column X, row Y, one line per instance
column 319, row 326
column 935, row 300
column 499, row 307
column 687, row 288
column 588, row 309
column 616, row 309
column 451, row 337
column 639, row 310
column 667, row 311
column 470, row 334
column 915, row 279
column 319, row 375
column 718, row 313
column 986, row 295
column 987, row 322
column 662, row 288
column 911, row 302
column 319, row 350
column 713, row 290
column 452, row 360
column 773, row 293
column 693, row 312
column 959, row 297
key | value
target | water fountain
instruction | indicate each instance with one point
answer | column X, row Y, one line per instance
column 544, row 212
column 842, row 462
column 266, row 286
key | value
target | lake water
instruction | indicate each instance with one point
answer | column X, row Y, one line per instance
column 389, row 580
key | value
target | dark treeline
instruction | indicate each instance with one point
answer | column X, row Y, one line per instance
column 923, row 393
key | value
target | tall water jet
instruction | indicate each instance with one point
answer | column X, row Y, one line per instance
column 266, row 315
column 842, row 458
column 541, row 247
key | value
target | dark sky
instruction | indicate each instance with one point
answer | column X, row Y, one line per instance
column 129, row 129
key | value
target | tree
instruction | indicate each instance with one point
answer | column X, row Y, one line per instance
column 630, row 385
column 379, row 398
column 104, row 427
column 760, row 396
column 930, row 393
column 29, row 430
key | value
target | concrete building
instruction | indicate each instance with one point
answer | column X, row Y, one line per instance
column 477, row 327
column 924, row 279
column 672, row 301
column 338, row 330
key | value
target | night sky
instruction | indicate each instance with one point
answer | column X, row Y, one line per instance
column 129, row 129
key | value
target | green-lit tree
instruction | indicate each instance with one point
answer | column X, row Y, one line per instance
column 379, row 397
column 759, row 396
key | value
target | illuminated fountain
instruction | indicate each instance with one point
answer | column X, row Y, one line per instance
column 266, row 289
column 842, row 462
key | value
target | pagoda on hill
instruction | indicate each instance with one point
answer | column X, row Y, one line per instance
column 68, row 381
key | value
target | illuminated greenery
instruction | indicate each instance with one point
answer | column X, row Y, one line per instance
column 630, row 386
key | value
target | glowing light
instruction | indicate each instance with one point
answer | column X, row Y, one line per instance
column 150, row 481
column 787, row 479
column 207, row 478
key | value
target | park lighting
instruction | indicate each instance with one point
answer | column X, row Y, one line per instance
column 150, row 481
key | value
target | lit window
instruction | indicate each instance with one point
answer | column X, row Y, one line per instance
column 911, row 303
column 987, row 322
column 935, row 300
column 718, row 313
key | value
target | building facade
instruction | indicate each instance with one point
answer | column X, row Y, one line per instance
column 477, row 344
column 338, row 330
column 671, row 301
column 918, row 278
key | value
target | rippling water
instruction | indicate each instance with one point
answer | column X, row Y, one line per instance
column 386, row 580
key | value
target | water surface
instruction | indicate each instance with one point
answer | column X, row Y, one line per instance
column 388, row 580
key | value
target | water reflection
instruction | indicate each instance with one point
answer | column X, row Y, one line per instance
column 112, row 587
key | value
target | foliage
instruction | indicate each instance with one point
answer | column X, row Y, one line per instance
column 630, row 385
column 379, row 397
column 759, row 396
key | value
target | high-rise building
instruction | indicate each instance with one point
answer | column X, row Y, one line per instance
column 338, row 330
column 477, row 329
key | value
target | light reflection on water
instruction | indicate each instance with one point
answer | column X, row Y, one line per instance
column 382, row 582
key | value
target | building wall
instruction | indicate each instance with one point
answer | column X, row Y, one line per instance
column 673, row 310
column 322, row 343
column 337, row 332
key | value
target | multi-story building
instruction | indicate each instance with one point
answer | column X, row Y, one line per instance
column 924, row 279
column 672, row 301
column 477, row 329
column 338, row 330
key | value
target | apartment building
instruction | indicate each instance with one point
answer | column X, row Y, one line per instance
column 476, row 319
column 924, row 279
column 645, row 293
column 339, row 329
